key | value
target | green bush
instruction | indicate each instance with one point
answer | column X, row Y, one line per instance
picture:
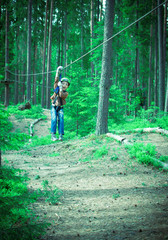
column 35, row 112
column 51, row 195
column 101, row 152
column 162, row 122
column 145, row 154
column 17, row 220
column 8, row 139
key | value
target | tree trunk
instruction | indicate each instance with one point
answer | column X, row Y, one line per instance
column 164, row 52
column 150, row 67
column 92, row 35
column 65, row 39
column 105, row 82
column 161, row 58
column 29, row 51
column 34, row 76
column 82, row 37
column 101, row 9
column 16, row 87
column 6, row 103
column 156, row 64
column 16, row 68
column 44, row 58
column 48, row 81
column 137, row 57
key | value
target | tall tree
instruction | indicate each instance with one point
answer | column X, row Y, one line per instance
column 6, row 58
column 65, row 36
column 44, row 55
column 106, row 72
column 164, row 52
column 48, row 81
column 161, row 58
column 92, row 33
column 156, row 64
column 82, row 30
column 29, row 50
column 150, row 67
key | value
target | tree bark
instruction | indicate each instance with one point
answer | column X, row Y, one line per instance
column 44, row 57
column 65, row 38
column 48, row 81
column 34, row 76
column 164, row 52
column 16, row 68
column 82, row 35
column 92, row 35
column 137, row 57
column 161, row 58
column 29, row 51
column 156, row 64
column 105, row 82
column 6, row 103
column 150, row 67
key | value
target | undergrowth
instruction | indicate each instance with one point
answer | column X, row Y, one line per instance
column 17, row 221
column 8, row 139
column 146, row 154
column 35, row 112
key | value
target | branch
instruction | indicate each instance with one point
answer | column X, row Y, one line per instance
column 150, row 130
column 147, row 130
column 32, row 124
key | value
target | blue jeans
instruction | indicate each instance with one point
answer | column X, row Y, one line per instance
column 57, row 117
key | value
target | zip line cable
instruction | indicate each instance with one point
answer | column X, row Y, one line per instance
column 139, row 19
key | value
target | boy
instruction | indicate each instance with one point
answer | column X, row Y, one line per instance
column 58, row 101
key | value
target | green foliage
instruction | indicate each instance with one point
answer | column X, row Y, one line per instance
column 17, row 220
column 162, row 122
column 39, row 141
column 114, row 157
column 80, row 111
column 115, row 196
column 52, row 195
column 5, row 125
column 35, row 112
column 102, row 151
column 54, row 154
column 116, row 105
column 141, row 121
column 8, row 139
column 145, row 154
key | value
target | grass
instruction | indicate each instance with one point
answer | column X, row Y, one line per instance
column 146, row 154
column 115, row 196
column 101, row 152
column 35, row 112
column 142, row 154
column 17, row 221
column 54, row 154
column 52, row 195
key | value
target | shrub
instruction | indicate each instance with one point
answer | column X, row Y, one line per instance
column 9, row 140
column 17, row 220
column 35, row 112
column 101, row 152
column 145, row 154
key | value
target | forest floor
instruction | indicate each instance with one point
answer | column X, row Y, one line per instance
column 104, row 198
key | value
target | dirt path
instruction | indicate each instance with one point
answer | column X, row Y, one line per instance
column 105, row 197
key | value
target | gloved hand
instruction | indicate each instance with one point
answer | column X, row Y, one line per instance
column 60, row 86
column 59, row 69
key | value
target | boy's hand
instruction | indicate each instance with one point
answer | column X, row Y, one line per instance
column 59, row 69
column 60, row 86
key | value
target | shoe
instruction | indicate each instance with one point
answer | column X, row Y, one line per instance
column 60, row 138
column 53, row 138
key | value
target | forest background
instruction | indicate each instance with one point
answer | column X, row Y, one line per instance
column 38, row 36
